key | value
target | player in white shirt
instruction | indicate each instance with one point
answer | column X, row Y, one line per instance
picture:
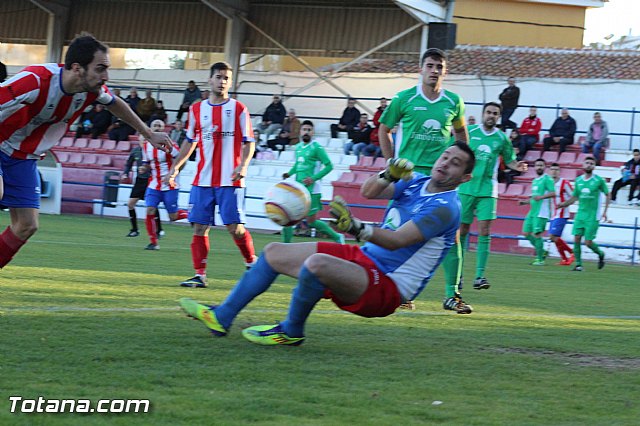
column 396, row 263
column 159, row 162
column 37, row 106
column 220, row 132
column 564, row 190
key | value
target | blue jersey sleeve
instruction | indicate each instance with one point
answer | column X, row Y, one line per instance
column 436, row 217
column 401, row 185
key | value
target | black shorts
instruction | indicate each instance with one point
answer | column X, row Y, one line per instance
column 139, row 188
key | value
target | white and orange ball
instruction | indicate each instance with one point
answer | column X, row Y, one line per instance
column 287, row 202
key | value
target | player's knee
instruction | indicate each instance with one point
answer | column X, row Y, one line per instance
column 24, row 230
column 588, row 242
column 272, row 253
column 318, row 262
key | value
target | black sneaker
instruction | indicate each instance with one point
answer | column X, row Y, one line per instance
column 133, row 233
column 577, row 268
column 151, row 246
column 196, row 281
column 456, row 303
column 481, row 283
column 601, row 261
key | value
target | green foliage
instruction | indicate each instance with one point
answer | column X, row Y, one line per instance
column 87, row 313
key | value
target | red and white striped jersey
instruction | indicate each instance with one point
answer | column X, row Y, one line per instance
column 563, row 193
column 220, row 131
column 35, row 112
column 159, row 163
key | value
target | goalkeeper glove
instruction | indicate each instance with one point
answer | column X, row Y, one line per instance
column 345, row 222
column 397, row 168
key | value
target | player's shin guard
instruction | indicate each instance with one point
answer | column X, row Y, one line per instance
column 323, row 227
column 158, row 221
column 560, row 247
column 452, row 270
column 305, row 296
column 245, row 244
column 150, row 222
column 9, row 246
column 287, row 234
column 133, row 218
column 199, row 253
column 253, row 283
column 577, row 251
column 539, row 245
column 482, row 254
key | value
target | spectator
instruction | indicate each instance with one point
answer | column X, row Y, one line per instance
column 289, row 135
column 177, row 134
column 597, row 137
column 205, row 95
column 373, row 149
column 471, row 120
column 515, row 137
column 116, row 92
column 509, row 98
column 3, row 72
column 146, row 107
column 350, row 118
column 273, row 118
column 529, row 132
column 359, row 136
column 562, row 132
column 159, row 113
column 191, row 95
column 96, row 122
column 119, row 130
column 133, row 99
column 630, row 176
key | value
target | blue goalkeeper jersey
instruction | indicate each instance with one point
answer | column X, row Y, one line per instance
column 437, row 217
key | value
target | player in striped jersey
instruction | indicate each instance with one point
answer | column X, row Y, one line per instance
column 394, row 265
column 37, row 106
column 220, row 132
column 159, row 162
column 563, row 193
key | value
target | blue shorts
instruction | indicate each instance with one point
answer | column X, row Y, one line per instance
column 169, row 198
column 203, row 201
column 557, row 226
column 21, row 182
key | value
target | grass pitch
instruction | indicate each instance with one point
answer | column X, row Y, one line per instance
column 87, row 313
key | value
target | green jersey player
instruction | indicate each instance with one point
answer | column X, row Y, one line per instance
column 425, row 115
column 543, row 191
column 479, row 196
column 588, row 191
column 311, row 164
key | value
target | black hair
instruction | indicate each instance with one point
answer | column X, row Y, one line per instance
column 495, row 104
column 433, row 53
column 588, row 157
column 554, row 165
column 636, row 150
column 82, row 50
column 307, row 123
column 540, row 159
column 219, row 66
column 471, row 163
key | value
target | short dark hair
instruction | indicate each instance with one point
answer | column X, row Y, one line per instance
column 495, row 104
column 554, row 165
column 219, row 66
column 191, row 81
column 433, row 53
column 307, row 123
column 540, row 159
column 636, row 150
column 82, row 50
column 589, row 157
column 471, row 163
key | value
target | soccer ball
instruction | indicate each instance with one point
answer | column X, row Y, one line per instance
column 287, row 202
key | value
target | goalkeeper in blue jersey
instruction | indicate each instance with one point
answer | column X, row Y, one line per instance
column 393, row 266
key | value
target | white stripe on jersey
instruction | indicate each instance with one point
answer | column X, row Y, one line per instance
column 159, row 163
column 563, row 193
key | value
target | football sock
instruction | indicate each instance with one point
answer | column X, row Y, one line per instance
column 9, row 246
column 158, row 221
column 531, row 239
column 577, row 250
column 539, row 245
column 133, row 219
column 565, row 246
column 561, row 248
column 182, row 214
column 452, row 270
column 199, row 253
column 150, row 222
column 323, row 227
column 482, row 254
column 253, row 283
column 305, row 296
column 245, row 244
column 287, row 234
column 594, row 247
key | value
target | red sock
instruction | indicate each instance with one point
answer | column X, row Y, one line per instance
column 245, row 244
column 150, row 221
column 9, row 246
column 182, row 214
column 560, row 248
column 199, row 253
column 565, row 246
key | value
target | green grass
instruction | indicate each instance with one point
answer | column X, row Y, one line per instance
column 86, row 313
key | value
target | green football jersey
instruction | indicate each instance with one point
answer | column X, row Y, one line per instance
column 312, row 161
column 588, row 192
column 424, row 126
column 488, row 148
column 540, row 186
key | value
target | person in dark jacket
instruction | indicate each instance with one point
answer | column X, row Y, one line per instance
column 94, row 122
column 273, row 118
column 562, row 132
column 509, row 98
column 350, row 118
column 191, row 95
column 630, row 176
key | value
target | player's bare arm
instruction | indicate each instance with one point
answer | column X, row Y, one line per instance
column 550, row 194
column 185, row 152
column 567, row 203
column 122, row 110
column 606, row 207
column 519, row 166
column 384, row 136
column 247, row 154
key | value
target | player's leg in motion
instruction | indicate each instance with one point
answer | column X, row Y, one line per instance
column 577, row 251
column 314, row 222
column 133, row 218
column 287, row 234
column 453, row 268
column 590, row 236
column 482, row 253
column 231, row 203
column 24, row 223
column 242, row 237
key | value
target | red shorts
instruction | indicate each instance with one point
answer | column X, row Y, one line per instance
column 381, row 297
